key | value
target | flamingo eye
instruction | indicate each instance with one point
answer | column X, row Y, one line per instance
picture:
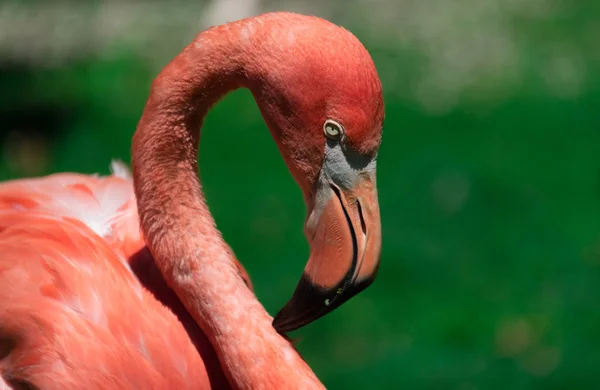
column 332, row 129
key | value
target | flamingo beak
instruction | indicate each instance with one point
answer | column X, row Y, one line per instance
column 344, row 232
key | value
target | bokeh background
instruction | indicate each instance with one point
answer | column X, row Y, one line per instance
column 489, row 173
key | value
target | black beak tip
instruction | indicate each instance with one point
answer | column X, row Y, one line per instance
column 311, row 302
column 307, row 304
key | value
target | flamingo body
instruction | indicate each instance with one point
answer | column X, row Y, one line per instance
column 72, row 268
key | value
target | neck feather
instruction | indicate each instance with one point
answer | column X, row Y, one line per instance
column 180, row 230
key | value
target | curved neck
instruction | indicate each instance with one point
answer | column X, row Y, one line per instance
column 179, row 229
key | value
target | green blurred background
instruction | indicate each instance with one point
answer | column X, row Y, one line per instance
column 489, row 173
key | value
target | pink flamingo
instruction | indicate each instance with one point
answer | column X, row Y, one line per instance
column 89, row 302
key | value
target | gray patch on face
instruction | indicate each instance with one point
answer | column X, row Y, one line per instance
column 343, row 166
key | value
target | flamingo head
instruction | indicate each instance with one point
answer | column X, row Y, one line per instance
column 322, row 100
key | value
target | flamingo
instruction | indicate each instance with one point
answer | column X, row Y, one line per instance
column 88, row 300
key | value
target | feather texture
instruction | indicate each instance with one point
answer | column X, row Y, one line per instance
column 74, row 314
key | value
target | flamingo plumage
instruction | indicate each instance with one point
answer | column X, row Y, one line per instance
column 90, row 300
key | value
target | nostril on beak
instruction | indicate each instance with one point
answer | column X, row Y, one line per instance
column 363, row 224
